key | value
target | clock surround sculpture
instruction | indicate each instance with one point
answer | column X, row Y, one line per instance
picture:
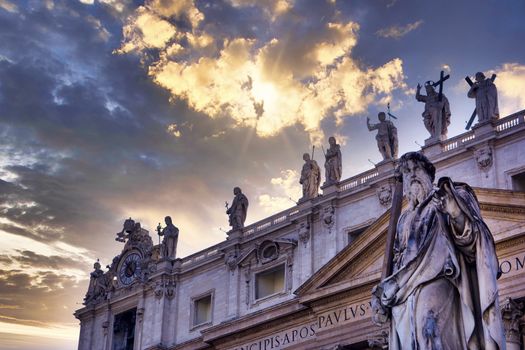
column 136, row 261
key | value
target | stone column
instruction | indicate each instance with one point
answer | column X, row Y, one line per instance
column 139, row 318
column 512, row 312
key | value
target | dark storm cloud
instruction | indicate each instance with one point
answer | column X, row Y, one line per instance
column 30, row 259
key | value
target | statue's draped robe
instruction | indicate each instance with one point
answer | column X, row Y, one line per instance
column 486, row 96
column 333, row 165
column 444, row 282
column 310, row 179
column 238, row 211
column 171, row 237
column 436, row 112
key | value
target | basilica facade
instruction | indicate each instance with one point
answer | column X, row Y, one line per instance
column 302, row 278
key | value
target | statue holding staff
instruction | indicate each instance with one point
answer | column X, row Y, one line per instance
column 238, row 210
column 442, row 291
column 310, row 178
column 170, row 240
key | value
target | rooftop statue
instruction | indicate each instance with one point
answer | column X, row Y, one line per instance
column 333, row 164
column 486, row 95
column 386, row 136
column 442, row 292
column 310, row 178
column 99, row 284
column 238, row 210
column 171, row 237
column 436, row 115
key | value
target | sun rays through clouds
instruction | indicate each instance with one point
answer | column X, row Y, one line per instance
column 267, row 82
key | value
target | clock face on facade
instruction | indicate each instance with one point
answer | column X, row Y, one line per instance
column 130, row 268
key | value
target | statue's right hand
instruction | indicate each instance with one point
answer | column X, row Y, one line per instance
column 418, row 87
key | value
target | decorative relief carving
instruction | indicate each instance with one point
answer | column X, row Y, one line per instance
column 384, row 194
column 105, row 326
column 268, row 251
column 304, row 232
column 484, row 156
column 165, row 287
column 140, row 314
column 247, row 277
column 231, row 261
column 328, row 218
column 511, row 312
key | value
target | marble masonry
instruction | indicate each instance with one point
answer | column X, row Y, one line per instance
column 302, row 278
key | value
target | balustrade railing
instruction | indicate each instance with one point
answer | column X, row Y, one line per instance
column 352, row 183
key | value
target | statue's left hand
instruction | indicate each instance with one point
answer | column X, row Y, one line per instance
column 445, row 201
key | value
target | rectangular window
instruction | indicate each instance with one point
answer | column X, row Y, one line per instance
column 518, row 182
column 269, row 282
column 202, row 309
column 124, row 330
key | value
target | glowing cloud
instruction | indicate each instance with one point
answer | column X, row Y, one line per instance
column 267, row 85
column 287, row 183
column 511, row 87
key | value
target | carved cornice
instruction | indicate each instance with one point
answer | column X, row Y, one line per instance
column 518, row 241
column 501, row 208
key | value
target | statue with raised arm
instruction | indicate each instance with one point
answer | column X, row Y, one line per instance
column 442, row 292
column 310, row 178
column 436, row 115
column 333, row 164
column 486, row 95
column 386, row 136
column 238, row 210
column 170, row 240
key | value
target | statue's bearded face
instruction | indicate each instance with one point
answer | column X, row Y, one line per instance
column 417, row 183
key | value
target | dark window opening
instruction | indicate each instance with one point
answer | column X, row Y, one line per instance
column 124, row 330
column 518, row 182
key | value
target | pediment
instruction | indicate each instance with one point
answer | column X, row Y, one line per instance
column 361, row 262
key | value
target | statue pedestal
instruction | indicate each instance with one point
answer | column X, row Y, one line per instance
column 481, row 129
column 164, row 265
column 327, row 189
column 233, row 234
column 385, row 166
column 432, row 149
column 433, row 140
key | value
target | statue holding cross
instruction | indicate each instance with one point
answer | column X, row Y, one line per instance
column 486, row 95
column 437, row 109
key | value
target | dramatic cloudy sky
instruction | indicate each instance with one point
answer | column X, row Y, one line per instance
column 119, row 108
